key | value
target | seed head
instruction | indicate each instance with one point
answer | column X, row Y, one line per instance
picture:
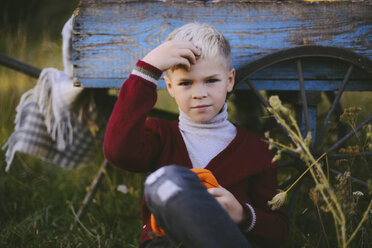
column 278, row 200
column 314, row 195
column 275, row 102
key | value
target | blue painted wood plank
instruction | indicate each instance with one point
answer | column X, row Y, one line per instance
column 110, row 37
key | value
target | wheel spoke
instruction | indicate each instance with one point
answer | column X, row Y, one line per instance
column 303, row 95
column 334, row 104
column 257, row 92
column 342, row 156
column 347, row 136
column 264, row 102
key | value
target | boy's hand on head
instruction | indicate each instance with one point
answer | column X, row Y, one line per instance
column 171, row 53
column 229, row 203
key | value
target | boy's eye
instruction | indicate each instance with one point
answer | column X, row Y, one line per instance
column 212, row 80
column 184, row 83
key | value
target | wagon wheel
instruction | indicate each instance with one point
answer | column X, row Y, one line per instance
column 356, row 72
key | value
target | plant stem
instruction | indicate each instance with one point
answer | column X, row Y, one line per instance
column 320, row 179
column 284, row 147
column 364, row 218
column 322, row 225
column 306, row 171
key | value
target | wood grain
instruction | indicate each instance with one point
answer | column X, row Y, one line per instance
column 110, row 36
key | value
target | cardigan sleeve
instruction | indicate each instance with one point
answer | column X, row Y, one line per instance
column 132, row 142
column 267, row 227
column 272, row 226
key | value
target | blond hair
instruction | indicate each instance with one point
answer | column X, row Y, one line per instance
column 206, row 38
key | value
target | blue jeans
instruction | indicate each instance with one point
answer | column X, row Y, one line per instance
column 189, row 215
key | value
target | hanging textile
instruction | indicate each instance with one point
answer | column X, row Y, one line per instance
column 48, row 123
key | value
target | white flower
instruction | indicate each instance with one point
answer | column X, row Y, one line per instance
column 122, row 188
column 358, row 193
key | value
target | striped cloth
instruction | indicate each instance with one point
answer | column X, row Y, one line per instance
column 47, row 125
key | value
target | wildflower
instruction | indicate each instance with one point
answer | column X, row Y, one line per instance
column 368, row 132
column 320, row 187
column 298, row 150
column 275, row 102
column 277, row 156
column 278, row 200
column 314, row 195
column 358, row 193
column 352, row 150
column 271, row 144
column 350, row 114
column 267, row 134
column 277, row 105
column 285, row 110
column 341, row 161
column 122, row 188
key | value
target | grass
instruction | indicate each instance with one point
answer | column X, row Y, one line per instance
column 39, row 200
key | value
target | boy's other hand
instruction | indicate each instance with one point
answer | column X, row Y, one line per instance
column 229, row 203
column 171, row 53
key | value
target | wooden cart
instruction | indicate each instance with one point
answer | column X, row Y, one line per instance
column 307, row 50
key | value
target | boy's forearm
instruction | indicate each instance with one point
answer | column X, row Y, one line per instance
column 126, row 131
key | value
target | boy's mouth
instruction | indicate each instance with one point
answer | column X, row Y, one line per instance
column 201, row 108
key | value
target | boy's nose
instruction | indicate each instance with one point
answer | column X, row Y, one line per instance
column 199, row 91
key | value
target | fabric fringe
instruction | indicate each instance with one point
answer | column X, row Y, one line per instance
column 55, row 94
column 46, row 124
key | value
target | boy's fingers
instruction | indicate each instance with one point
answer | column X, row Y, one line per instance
column 216, row 192
column 185, row 62
column 189, row 45
column 195, row 50
column 186, row 53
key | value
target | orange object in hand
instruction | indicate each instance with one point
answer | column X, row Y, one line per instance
column 206, row 177
column 209, row 181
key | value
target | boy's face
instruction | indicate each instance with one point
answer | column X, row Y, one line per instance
column 201, row 92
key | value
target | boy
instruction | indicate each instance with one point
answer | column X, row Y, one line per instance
column 196, row 59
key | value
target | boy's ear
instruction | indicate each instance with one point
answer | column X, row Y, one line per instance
column 231, row 81
column 169, row 85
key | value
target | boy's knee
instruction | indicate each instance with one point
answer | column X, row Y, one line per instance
column 166, row 183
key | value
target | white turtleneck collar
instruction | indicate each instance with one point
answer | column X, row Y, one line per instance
column 204, row 141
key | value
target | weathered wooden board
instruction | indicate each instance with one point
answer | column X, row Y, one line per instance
column 110, row 36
